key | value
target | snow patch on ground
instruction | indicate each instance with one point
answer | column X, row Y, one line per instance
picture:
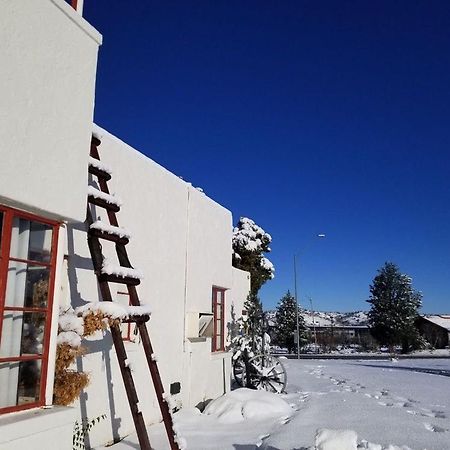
column 330, row 405
column 336, row 439
column 247, row 404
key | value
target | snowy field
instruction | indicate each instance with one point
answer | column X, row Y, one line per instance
column 389, row 405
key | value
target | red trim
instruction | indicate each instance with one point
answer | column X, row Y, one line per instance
column 31, row 262
column 9, row 214
column 30, row 216
column 20, row 407
column 25, row 309
column 4, row 263
column 21, row 358
column 74, row 4
column 51, row 291
column 216, row 333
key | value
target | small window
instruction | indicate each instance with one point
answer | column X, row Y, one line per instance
column 27, row 271
column 218, row 306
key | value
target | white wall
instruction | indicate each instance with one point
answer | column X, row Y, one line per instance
column 182, row 242
column 48, row 57
column 182, row 239
column 38, row 428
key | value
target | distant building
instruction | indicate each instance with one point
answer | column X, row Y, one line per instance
column 333, row 335
column 435, row 329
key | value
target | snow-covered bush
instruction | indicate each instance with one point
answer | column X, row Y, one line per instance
column 68, row 382
column 250, row 242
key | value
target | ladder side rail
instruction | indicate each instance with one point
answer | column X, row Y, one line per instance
column 157, row 383
column 130, row 388
column 104, row 187
column 143, row 331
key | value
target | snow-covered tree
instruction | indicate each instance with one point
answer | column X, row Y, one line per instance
column 250, row 243
column 394, row 309
column 254, row 310
column 286, row 323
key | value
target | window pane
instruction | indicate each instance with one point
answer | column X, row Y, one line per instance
column 22, row 334
column 30, row 240
column 218, row 342
column 27, row 285
column 20, row 382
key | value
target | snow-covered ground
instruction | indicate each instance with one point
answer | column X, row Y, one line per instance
column 389, row 405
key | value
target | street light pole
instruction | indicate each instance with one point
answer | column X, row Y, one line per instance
column 314, row 325
column 296, row 307
column 321, row 235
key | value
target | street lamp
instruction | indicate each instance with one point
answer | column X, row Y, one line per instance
column 320, row 236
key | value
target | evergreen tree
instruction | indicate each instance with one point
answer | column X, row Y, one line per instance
column 394, row 309
column 250, row 242
column 286, row 323
column 254, row 310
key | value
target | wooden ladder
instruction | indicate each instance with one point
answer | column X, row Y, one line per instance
column 95, row 247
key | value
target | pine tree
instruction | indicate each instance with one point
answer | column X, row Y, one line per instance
column 254, row 310
column 250, row 242
column 286, row 323
column 394, row 309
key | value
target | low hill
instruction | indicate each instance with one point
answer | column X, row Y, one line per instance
column 322, row 318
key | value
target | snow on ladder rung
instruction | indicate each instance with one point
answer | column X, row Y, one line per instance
column 107, row 198
column 110, row 229
column 113, row 310
column 120, row 271
column 93, row 162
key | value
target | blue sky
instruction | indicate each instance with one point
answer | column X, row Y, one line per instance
column 305, row 116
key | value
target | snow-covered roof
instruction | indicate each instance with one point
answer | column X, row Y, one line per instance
column 442, row 320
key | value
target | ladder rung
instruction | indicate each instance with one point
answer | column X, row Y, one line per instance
column 95, row 141
column 99, row 173
column 116, row 279
column 103, row 204
column 137, row 319
column 108, row 236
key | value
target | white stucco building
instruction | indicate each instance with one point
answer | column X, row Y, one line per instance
column 181, row 241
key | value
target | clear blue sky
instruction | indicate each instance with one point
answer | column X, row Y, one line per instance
column 305, row 116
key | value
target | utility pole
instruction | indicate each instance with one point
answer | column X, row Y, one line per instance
column 314, row 326
column 296, row 308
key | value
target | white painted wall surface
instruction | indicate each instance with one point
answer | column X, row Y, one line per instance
column 182, row 242
column 38, row 429
column 48, row 55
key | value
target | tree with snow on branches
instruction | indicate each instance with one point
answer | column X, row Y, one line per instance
column 286, row 323
column 250, row 243
column 395, row 306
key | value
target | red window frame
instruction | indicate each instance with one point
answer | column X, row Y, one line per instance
column 5, row 245
column 218, row 330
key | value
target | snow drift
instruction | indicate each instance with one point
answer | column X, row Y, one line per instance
column 244, row 404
